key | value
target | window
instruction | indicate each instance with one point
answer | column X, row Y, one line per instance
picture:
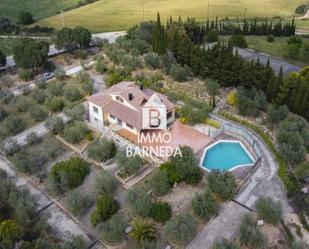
column 119, row 99
column 169, row 115
column 95, row 109
column 119, row 121
column 130, row 126
column 112, row 116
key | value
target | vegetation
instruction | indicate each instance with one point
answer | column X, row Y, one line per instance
column 139, row 202
column 75, row 132
column 68, row 174
column 102, row 150
column 143, row 230
column 105, row 209
column 181, row 229
column 128, row 166
column 30, row 54
column 161, row 212
column 239, row 41
column 2, row 59
column 302, row 171
column 106, row 21
column 113, row 229
column 160, row 183
column 78, row 203
column 105, row 183
column 277, row 114
column 204, row 205
column 224, row 244
column 269, row 210
column 250, row 235
column 222, row 183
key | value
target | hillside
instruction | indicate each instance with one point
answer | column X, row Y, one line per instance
column 39, row 8
column 110, row 15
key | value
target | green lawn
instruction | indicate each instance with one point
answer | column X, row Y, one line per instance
column 111, row 15
column 278, row 48
column 39, row 8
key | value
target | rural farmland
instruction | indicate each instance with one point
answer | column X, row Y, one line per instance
column 104, row 15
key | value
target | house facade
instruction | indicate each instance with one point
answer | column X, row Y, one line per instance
column 121, row 108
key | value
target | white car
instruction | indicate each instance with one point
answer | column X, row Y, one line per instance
column 47, row 76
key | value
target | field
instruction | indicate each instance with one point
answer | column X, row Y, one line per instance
column 278, row 48
column 39, row 8
column 111, row 15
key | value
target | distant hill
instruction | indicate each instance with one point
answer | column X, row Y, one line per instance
column 111, row 15
column 39, row 8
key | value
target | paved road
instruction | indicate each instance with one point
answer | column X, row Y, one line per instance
column 263, row 182
column 98, row 83
column 276, row 63
column 110, row 36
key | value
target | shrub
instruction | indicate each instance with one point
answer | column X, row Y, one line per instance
column 269, row 210
column 224, row 184
column 270, row 38
column 83, row 77
column 302, row 171
column 68, row 174
column 76, row 243
column 38, row 113
column 72, row 94
column 100, row 65
column 38, row 95
column 128, row 165
column 2, row 59
column 78, row 203
column 295, row 40
column 225, row 244
column 276, row 115
column 59, row 74
column 293, row 51
column 179, row 73
column 143, row 230
column 139, row 202
column 113, row 229
column 22, row 104
column 55, row 124
column 152, row 60
column 105, row 209
column 77, row 112
column 33, row 139
column 250, row 234
column 14, row 124
column 3, row 114
column 55, row 89
column 25, row 75
column 212, row 36
column 301, row 9
column 102, row 150
column 204, row 205
column 160, row 183
column 232, row 98
column 55, row 104
column 161, row 212
column 75, row 132
column 239, row 41
column 181, row 229
column 105, row 183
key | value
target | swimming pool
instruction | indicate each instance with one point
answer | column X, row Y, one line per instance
column 225, row 155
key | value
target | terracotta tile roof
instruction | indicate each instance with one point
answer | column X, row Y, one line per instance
column 130, row 115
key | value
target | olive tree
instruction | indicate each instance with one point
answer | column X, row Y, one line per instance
column 139, row 202
column 78, row 203
column 102, row 150
column 204, row 205
column 269, row 210
column 105, row 183
column 113, row 229
column 222, row 183
column 160, row 183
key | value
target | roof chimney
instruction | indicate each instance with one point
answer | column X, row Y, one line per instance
column 130, row 96
column 141, row 87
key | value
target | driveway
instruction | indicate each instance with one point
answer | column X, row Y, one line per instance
column 263, row 182
column 98, row 82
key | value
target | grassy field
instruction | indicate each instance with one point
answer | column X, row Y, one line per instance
column 39, row 8
column 111, row 15
column 278, row 48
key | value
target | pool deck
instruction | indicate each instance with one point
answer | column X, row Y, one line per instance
column 263, row 182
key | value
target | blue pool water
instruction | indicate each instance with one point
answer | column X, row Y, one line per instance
column 224, row 156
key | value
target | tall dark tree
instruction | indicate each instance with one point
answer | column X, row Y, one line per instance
column 29, row 53
column 2, row 59
column 159, row 39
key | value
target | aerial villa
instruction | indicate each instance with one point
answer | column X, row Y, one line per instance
column 118, row 110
